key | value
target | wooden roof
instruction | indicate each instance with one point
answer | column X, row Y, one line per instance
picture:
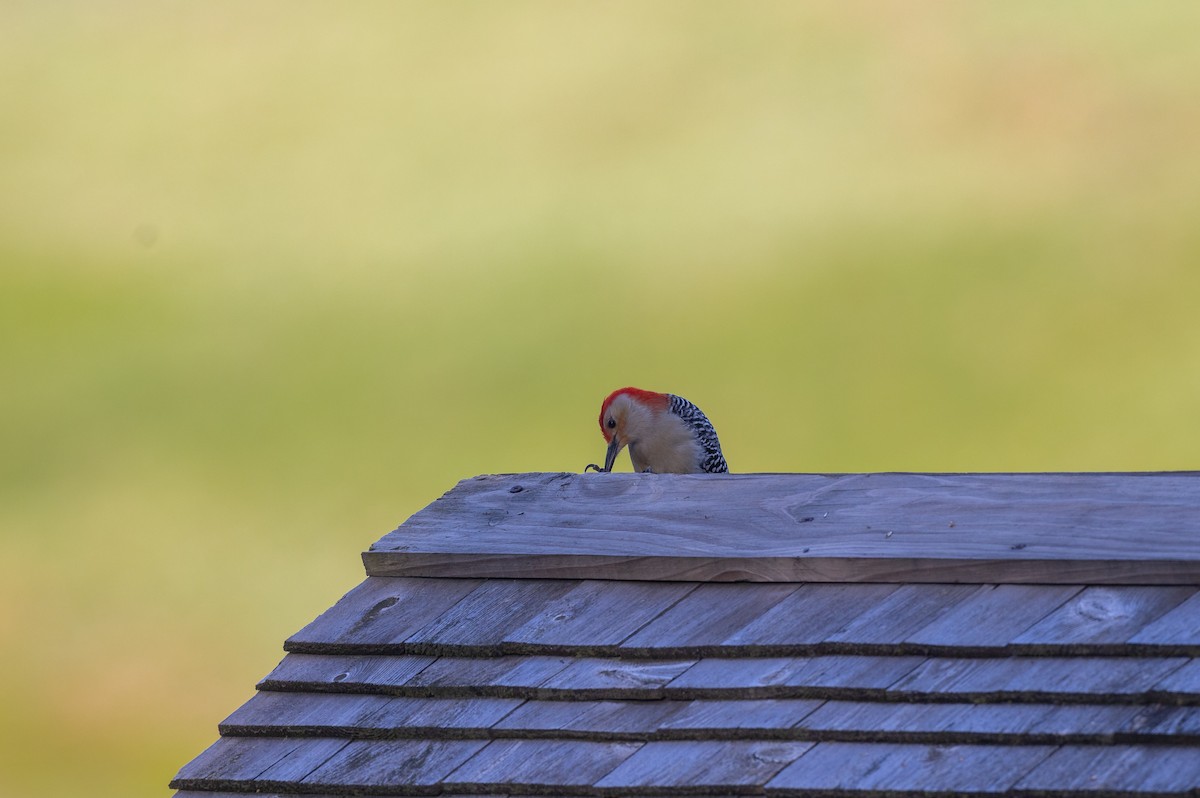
column 578, row 635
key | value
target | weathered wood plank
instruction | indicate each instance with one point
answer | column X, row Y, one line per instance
column 367, row 764
column 1117, row 770
column 692, row 620
column 347, row 673
column 992, row 617
column 544, row 764
column 380, row 717
column 903, row 612
column 1042, row 678
column 508, row 674
column 810, row 614
column 982, row 528
column 598, row 718
column 1180, row 626
column 317, row 714
column 486, row 615
column 1104, row 615
column 1185, row 681
column 750, row 715
column 1033, row 723
column 712, row 765
column 616, row 678
column 1166, row 721
column 433, row 714
column 1025, row 679
column 763, row 678
column 897, row 767
column 354, row 715
column 599, row 613
column 265, row 761
column 380, row 611
column 707, row 616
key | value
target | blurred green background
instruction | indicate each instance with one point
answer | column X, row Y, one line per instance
column 275, row 275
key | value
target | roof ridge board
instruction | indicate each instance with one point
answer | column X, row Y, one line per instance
column 1036, row 528
column 787, row 569
column 749, row 651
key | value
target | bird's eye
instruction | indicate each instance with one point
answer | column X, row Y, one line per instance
column 612, row 423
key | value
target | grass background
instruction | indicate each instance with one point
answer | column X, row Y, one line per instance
column 275, row 275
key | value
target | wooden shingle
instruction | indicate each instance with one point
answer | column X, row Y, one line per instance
column 709, row 765
column 588, row 636
column 902, row 768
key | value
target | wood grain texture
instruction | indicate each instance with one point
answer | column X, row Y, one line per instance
column 711, row 765
column 233, row 762
column 545, row 764
column 903, row 612
column 810, row 614
column 280, row 714
column 601, row 618
column 506, row 674
column 762, row 716
column 1044, row 678
column 981, row 528
column 345, row 673
column 355, row 715
column 1034, row 723
column 1180, row 626
column 1104, row 615
column 993, row 616
column 1185, row 681
column 770, row 677
column 875, row 768
column 1125, row 770
column 616, row 678
column 367, row 764
column 485, row 616
column 1164, row 721
column 598, row 614
column 599, row 719
column 381, row 611
column 707, row 616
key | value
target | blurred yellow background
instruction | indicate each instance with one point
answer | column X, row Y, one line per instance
column 275, row 275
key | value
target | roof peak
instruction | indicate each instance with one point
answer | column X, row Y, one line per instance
column 1094, row 528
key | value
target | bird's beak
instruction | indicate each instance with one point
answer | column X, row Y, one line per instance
column 614, row 448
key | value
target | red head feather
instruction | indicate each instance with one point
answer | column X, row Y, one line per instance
column 650, row 398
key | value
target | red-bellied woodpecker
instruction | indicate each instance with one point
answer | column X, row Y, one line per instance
column 666, row 434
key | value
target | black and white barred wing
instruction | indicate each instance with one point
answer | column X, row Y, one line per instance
column 712, row 461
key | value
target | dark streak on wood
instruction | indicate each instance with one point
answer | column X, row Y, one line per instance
column 380, row 763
